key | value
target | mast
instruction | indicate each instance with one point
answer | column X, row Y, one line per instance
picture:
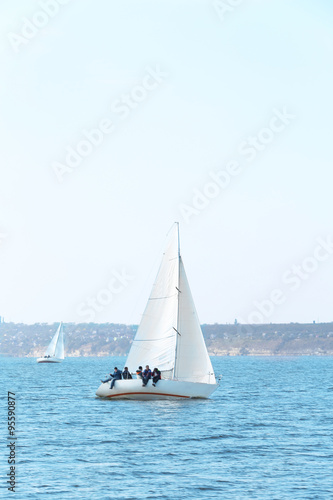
column 177, row 287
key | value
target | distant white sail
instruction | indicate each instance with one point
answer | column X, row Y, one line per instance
column 169, row 336
column 56, row 346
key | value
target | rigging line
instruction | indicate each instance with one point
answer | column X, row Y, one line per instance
column 177, row 331
column 171, row 228
column 159, row 298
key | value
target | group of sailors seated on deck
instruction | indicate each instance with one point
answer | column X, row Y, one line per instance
column 117, row 375
column 145, row 375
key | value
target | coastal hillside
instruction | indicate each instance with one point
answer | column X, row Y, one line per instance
column 107, row 339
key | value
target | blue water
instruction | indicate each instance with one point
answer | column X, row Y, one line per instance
column 266, row 433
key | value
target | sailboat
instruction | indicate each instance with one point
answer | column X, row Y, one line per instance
column 169, row 338
column 55, row 351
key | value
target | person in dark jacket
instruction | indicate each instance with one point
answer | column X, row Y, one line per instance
column 156, row 376
column 116, row 375
column 126, row 374
column 146, row 375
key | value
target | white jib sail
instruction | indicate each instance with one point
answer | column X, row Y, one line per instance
column 169, row 336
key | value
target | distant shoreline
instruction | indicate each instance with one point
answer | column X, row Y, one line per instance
column 111, row 339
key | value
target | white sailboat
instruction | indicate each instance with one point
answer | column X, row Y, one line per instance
column 169, row 338
column 55, row 351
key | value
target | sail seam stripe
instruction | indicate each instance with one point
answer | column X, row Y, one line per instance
column 152, row 340
column 159, row 298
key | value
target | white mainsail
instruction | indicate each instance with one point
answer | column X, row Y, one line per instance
column 169, row 336
column 56, row 346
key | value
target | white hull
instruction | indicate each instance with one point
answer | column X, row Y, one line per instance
column 49, row 360
column 164, row 389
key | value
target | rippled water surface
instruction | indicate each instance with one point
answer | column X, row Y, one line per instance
column 266, row 433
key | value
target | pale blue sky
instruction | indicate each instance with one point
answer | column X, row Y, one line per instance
column 61, row 241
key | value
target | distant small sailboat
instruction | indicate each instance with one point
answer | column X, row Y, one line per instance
column 169, row 338
column 55, row 351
